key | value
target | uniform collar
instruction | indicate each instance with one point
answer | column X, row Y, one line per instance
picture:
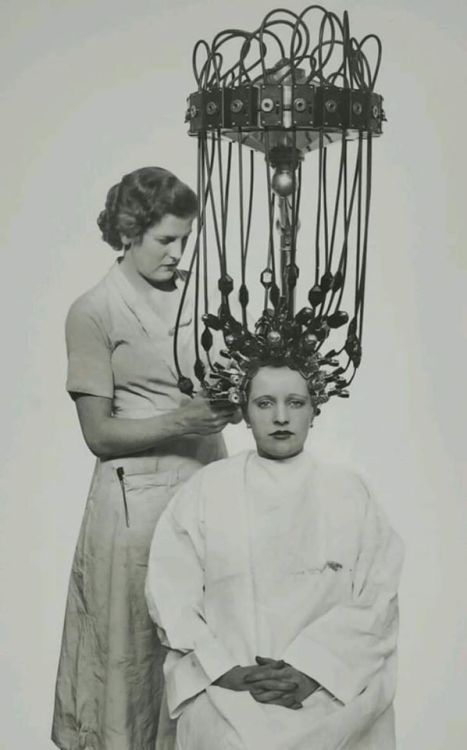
column 147, row 316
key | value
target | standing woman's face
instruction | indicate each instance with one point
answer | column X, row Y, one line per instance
column 156, row 256
column 279, row 412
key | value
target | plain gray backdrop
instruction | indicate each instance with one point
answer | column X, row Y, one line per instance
column 92, row 89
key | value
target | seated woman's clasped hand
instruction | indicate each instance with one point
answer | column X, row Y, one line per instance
column 270, row 681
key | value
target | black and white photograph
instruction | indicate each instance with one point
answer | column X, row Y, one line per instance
column 234, row 485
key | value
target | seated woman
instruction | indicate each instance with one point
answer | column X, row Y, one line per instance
column 273, row 582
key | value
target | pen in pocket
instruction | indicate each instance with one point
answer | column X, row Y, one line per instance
column 121, row 475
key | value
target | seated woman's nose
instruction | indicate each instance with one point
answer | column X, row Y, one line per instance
column 281, row 416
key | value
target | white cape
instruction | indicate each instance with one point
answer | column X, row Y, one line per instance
column 291, row 560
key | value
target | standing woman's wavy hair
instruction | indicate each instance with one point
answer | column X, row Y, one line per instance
column 140, row 200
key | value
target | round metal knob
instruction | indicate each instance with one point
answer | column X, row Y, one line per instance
column 299, row 104
column 267, row 105
column 193, row 110
column 236, row 106
column 283, row 182
column 274, row 338
column 234, row 396
column 211, row 108
column 330, row 105
column 357, row 108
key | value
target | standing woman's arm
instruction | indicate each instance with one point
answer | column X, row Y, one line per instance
column 90, row 383
column 109, row 437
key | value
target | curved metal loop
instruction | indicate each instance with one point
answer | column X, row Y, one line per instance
column 379, row 53
column 334, row 42
column 196, row 71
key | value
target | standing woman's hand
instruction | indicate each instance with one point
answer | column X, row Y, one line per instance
column 200, row 417
column 108, row 437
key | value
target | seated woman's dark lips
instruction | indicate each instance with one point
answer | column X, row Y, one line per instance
column 281, row 432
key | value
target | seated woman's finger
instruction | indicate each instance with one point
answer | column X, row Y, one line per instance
column 263, row 673
column 265, row 696
column 273, row 663
column 277, row 699
column 288, row 701
column 284, row 686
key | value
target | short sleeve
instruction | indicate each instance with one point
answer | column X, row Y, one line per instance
column 89, row 353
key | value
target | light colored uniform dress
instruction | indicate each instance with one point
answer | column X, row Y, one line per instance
column 110, row 685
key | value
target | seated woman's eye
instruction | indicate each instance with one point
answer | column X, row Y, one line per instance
column 263, row 404
column 297, row 403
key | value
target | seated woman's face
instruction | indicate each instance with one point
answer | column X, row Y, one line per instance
column 279, row 411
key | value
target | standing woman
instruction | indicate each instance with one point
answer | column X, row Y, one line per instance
column 148, row 439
